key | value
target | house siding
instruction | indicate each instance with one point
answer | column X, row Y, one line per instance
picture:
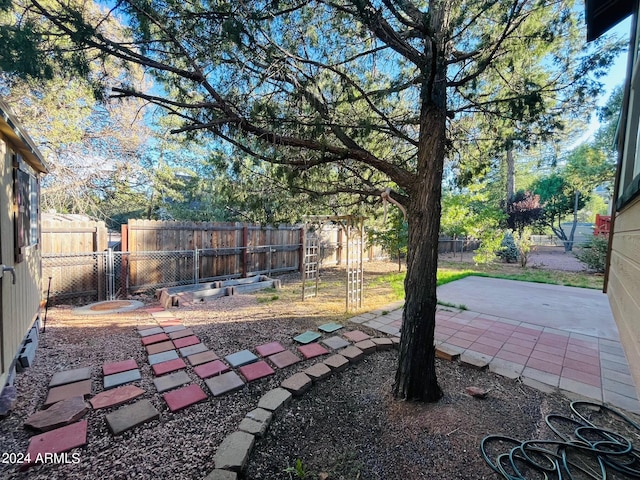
column 20, row 301
column 623, row 286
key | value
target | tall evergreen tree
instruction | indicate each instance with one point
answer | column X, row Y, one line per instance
column 354, row 95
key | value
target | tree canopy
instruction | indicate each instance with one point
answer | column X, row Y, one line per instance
column 351, row 96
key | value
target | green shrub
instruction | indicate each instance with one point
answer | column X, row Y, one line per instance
column 508, row 250
column 594, row 253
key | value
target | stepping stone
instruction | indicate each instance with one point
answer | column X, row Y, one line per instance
column 183, row 397
column 383, row 343
column 210, row 369
column 353, row 354
column 160, row 347
column 57, row 441
column 203, row 357
column 118, row 379
column 284, row 359
column 356, row 336
column 70, row 376
column 117, row 367
column 233, row 453
column 256, row 422
column 186, row 341
column 312, row 350
column 218, row 474
column 307, row 337
column 167, row 367
column 157, row 338
column 184, row 332
column 63, row 392
column 169, row 382
column 318, row 371
column 330, row 327
column 336, row 342
column 297, row 384
column 257, row 370
column 337, row 362
column 174, row 328
column 153, row 309
column 59, row 414
column 146, row 326
column 162, row 357
column 131, row 416
column 243, row 357
column 115, row 397
column 197, row 348
column 367, row 346
column 221, row 384
column 150, row 331
column 275, row 399
column 269, row 349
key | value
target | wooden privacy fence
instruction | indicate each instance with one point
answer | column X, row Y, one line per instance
column 210, row 250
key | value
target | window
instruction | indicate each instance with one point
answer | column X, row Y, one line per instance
column 26, row 203
column 629, row 186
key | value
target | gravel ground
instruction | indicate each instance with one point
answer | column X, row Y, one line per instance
column 347, row 427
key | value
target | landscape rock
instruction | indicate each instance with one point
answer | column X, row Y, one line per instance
column 59, row 414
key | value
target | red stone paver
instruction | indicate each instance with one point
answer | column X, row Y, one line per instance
column 592, row 367
column 524, row 336
column 547, row 357
column 467, row 336
column 117, row 367
column 184, row 397
column 512, row 357
column 269, row 349
column 521, row 342
column 77, row 389
column 160, row 347
column 490, row 342
column 356, row 335
column 560, row 351
column 499, row 336
column 187, row 332
column 116, row 396
column 459, row 342
column 312, row 350
column 519, row 349
column 284, row 359
column 202, row 357
column 58, row 440
column 210, row 369
column 486, row 349
column 157, row 338
column 594, row 352
column 581, row 357
column 583, row 377
column 57, row 415
column 186, row 341
column 543, row 366
column 170, row 323
column 169, row 366
column 255, row 371
column 153, row 309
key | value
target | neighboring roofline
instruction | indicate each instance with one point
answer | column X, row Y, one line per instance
column 601, row 15
column 20, row 140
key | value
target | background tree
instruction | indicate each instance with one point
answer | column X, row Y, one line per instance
column 355, row 94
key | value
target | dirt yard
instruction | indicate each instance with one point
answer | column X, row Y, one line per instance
column 347, row 427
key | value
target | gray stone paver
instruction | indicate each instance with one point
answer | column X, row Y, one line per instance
column 69, row 390
column 383, row 343
column 256, row 422
column 337, row 362
column 162, row 357
column 115, row 380
column 318, row 371
column 335, row 342
column 297, row 383
column 367, row 346
column 275, row 399
column 233, row 453
column 581, row 388
column 544, row 377
column 174, row 328
column 150, row 331
column 193, row 349
column 173, row 380
column 131, row 416
column 475, row 360
column 219, row 474
column 70, row 376
column 243, row 357
column 225, row 383
column 353, row 354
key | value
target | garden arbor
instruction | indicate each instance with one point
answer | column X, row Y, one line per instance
column 353, row 227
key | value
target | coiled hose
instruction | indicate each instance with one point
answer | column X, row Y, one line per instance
column 583, row 451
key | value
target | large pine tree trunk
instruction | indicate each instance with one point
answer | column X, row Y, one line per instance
column 416, row 375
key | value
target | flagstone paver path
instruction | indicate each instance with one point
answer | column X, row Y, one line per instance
column 543, row 357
